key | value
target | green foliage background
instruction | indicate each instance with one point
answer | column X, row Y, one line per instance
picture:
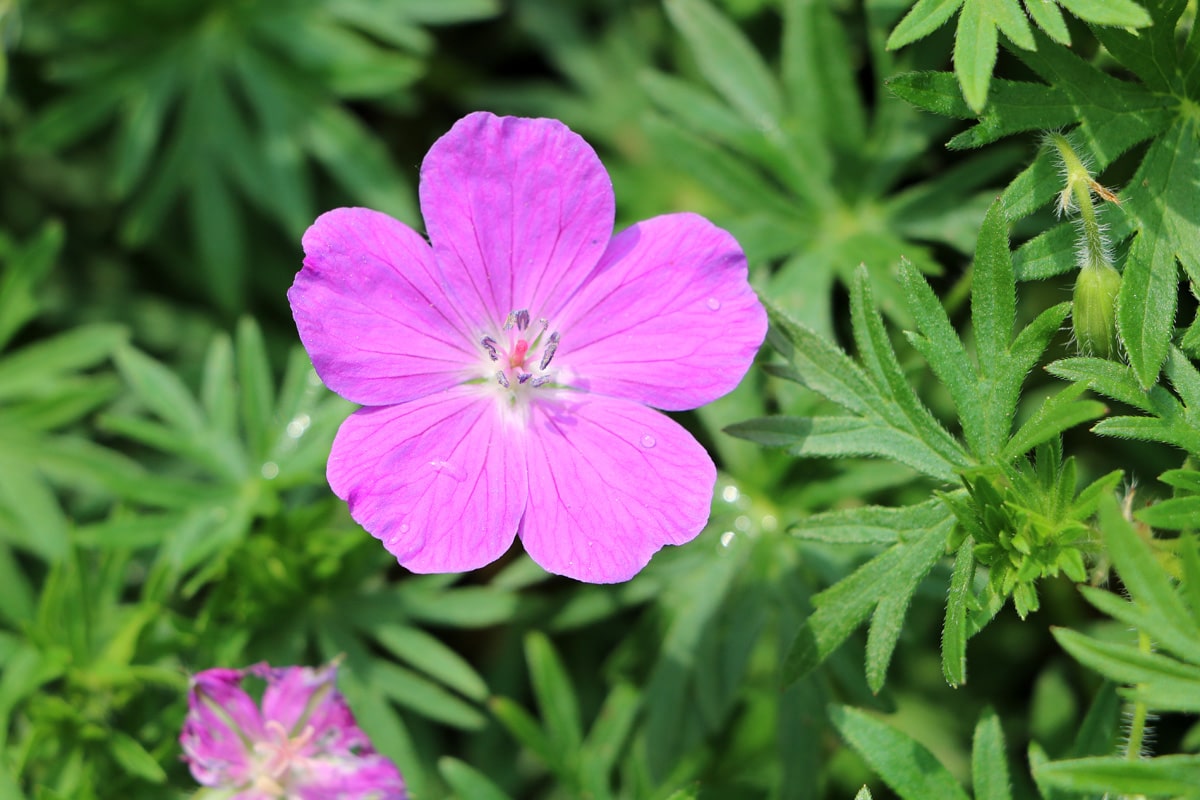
column 952, row 550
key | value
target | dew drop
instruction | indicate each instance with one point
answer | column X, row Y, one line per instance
column 713, row 304
column 403, row 527
column 730, row 494
column 452, row 470
column 727, row 538
column 648, row 441
column 298, row 425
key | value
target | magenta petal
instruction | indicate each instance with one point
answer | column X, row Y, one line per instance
column 610, row 482
column 518, row 210
column 439, row 480
column 667, row 319
column 372, row 311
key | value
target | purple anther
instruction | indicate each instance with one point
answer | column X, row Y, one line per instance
column 489, row 344
column 523, row 376
column 551, row 349
column 500, row 376
column 522, row 319
column 540, row 380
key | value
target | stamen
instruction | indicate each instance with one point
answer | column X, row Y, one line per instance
column 489, row 344
column 551, row 348
column 518, row 318
column 500, row 376
column 523, row 376
column 540, row 380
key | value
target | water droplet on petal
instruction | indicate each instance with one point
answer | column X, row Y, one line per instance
column 713, row 304
column 648, row 441
column 404, row 527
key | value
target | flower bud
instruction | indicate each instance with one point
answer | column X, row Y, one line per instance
column 1093, row 317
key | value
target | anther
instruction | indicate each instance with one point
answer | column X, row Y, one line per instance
column 523, row 376
column 551, row 348
column 500, row 376
column 540, row 380
column 489, row 344
column 518, row 318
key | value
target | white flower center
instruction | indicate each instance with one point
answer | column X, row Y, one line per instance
column 520, row 354
column 277, row 756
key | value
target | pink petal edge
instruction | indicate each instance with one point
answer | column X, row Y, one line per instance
column 610, row 483
column 518, row 211
column 372, row 311
column 668, row 317
column 439, row 480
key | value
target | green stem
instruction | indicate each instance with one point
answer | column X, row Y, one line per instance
column 1079, row 186
column 1137, row 726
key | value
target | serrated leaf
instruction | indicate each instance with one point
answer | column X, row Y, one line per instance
column 1171, row 685
column 975, row 45
column 1121, row 13
column 989, row 761
column 921, row 20
column 1049, row 19
column 841, row 608
column 905, row 765
column 1164, row 775
column 954, row 630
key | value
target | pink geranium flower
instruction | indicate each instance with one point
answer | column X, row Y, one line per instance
column 301, row 744
column 509, row 367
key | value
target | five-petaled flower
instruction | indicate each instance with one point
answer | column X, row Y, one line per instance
column 509, row 368
column 301, row 744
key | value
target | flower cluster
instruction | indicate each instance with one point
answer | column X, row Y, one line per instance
column 302, row 743
column 509, row 367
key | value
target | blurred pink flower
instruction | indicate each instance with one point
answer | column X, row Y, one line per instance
column 509, row 368
column 302, row 744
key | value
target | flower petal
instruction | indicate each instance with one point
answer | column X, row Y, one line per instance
column 667, row 318
column 372, row 313
column 439, row 480
column 518, row 210
column 221, row 723
column 610, row 482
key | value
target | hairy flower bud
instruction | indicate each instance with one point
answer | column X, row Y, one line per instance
column 1093, row 317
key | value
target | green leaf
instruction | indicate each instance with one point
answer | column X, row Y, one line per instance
column 989, row 762
column 467, row 782
column 975, row 52
column 921, row 20
column 555, row 694
column 1171, row 684
column 1167, row 217
column 954, row 631
column 525, row 729
column 842, row 607
column 133, row 757
column 729, row 62
column 1049, row 19
column 905, row 765
column 605, row 740
column 1121, row 13
column 1176, row 514
column 428, row 654
column 869, row 524
column 1176, row 776
column 36, row 365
